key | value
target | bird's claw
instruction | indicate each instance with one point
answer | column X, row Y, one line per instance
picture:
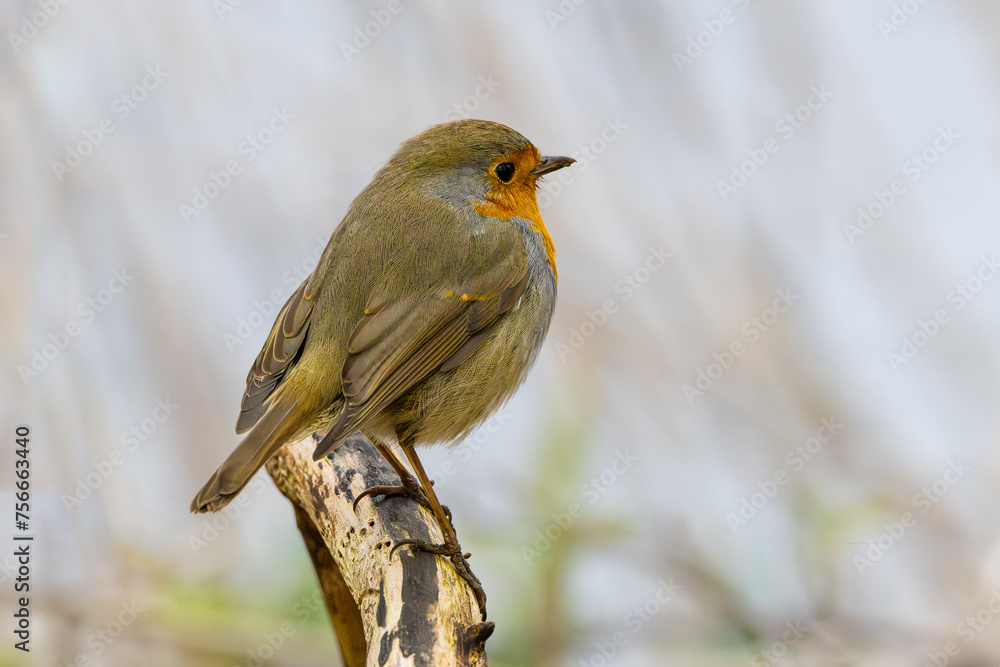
column 411, row 490
column 453, row 551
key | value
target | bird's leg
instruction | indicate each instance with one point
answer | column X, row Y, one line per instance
column 408, row 486
column 451, row 548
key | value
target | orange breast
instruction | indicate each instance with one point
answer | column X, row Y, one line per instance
column 517, row 200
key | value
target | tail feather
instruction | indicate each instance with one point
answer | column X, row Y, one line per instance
column 274, row 429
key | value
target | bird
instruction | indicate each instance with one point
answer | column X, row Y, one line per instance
column 422, row 317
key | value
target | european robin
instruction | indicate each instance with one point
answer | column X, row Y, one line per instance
column 422, row 317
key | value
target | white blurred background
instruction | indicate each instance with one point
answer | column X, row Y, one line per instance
column 764, row 426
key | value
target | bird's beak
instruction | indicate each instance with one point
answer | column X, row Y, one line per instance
column 550, row 163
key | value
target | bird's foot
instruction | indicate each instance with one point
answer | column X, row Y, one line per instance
column 453, row 551
column 409, row 487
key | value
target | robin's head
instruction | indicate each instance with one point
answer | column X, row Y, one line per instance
column 483, row 165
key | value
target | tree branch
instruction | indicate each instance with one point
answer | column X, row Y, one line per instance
column 409, row 609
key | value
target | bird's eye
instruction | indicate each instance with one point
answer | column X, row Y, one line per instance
column 504, row 171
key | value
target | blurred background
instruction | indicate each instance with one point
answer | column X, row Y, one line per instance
column 763, row 429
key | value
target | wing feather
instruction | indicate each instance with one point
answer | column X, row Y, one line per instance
column 399, row 343
column 280, row 352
